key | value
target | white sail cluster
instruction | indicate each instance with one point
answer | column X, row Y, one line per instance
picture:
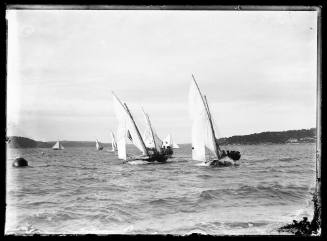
column 203, row 134
column 58, row 146
column 168, row 141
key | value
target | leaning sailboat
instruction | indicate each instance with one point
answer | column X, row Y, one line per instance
column 127, row 129
column 58, row 146
column 203, row 132
column 153, row 142
column 98, row 145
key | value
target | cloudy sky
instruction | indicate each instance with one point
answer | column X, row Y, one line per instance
column 257, row 68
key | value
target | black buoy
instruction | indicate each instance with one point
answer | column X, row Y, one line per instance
column 20, row 162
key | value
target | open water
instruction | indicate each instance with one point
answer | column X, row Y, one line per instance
column 81, row 190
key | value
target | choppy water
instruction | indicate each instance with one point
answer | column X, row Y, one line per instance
column 81, row 190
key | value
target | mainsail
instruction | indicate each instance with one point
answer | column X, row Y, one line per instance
column 126, row 128
column 113, row 142
column 150, row 137
column 58, row 146
column 98, row 145
column 203, row 134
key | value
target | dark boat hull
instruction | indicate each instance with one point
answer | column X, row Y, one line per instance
column 223, row 162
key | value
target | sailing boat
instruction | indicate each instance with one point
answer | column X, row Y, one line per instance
column 168, row 141
column 203, row 132
column 153, row 142
column 127, row 129
column 98, row 145
column 113, row 143
column 58, row 146
column 169, row 144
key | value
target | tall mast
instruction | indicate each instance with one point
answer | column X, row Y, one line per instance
column 149, row 123
column 209, row 116
column 130, row 115
column 137, row 130
column 212, row 129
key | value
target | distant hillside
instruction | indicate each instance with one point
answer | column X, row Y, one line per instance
column 23, row 142
column 291, row 136
column 278, row 137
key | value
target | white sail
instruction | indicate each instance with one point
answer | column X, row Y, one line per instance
column 168, row 141
column 58, row 146
column 198, row 147
column 175, row 145
column 150, row 137
column 202, row 128
column 127, row 126
column 113, row 142
column 210, row 138
column 121, row 142
column 98, row 145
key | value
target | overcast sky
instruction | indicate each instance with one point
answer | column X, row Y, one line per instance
column 258, row 70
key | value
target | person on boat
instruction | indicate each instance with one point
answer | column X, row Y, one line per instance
column 234, row 155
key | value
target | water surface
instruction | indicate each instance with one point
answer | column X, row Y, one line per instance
column 81, row 190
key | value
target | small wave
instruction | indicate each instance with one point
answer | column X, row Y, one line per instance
column 202, row 164
column 245, row 224
column 52, row 217
column 204, row 176
column 41, row 203
column 287, row 159
column 208, row 194
column 21, row 168
column 287, row 192
column 42, row 166
column 158, row 201
column 24, row 229
column 137, row 162
column 77, row 167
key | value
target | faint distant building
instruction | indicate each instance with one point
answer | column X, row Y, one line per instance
column 307, row 139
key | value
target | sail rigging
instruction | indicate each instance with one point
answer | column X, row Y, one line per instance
column 203, row 134
column 151, row 139
column 126, row 124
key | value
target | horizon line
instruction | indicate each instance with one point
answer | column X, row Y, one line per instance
column 179, row 143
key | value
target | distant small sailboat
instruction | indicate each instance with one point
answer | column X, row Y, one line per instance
column 168, row 141
column 203, row 132
column 168, row 145
column 113, row 143
column 98, row 145
column 127, row 129
column 58, row 146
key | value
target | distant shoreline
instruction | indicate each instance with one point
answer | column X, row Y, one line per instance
column 275, row 137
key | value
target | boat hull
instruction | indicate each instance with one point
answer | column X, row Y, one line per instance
column 152, row 158
column 224, row 162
